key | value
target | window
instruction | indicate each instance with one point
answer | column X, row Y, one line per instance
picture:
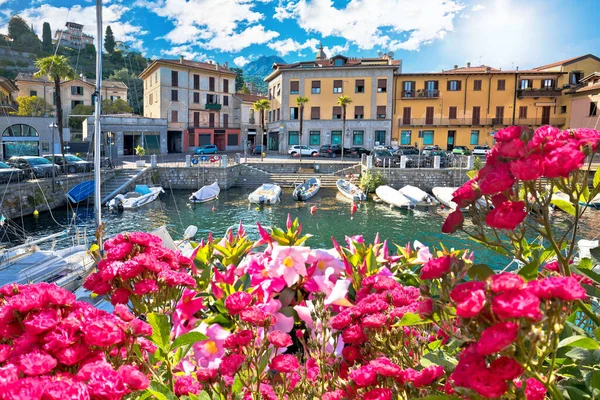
column 315, row 113
column 293, row 138
column 174, row 78
column 427, row 137
column 547, row 83
column 196, row 119
column 278, row 89
column 338, row 86
column 563, row 109
column 294, row 87
column 174, row 95
column 476, row 115
column 269, row 119
column 593, row 109
column 474, row 137
column 225, row 100
column 381, row 85
column 314, row 138
column 525, row 84
column 196, row 82
column 236, row 114
column 522, row 111
column 77, row 90
column 191, row 139
column 405, row 137
column 575, row 77
column 429, row 112
column 406, row 114
column 477, row 85
column 359, row 112
column 232, row 139
column 150, row 99
column 336, row 137
column 226, row 85
column 155, row 77
column 408, row 89
column 359, row 86
column 316, row 87
column 501, row 84
column 381, row 112
column 211, row 84
column 454, row 86
column 431, row 89
column 499, row 120
column 379, row 137
column 338, row 62
column 75, row 103
column 196, row 97
column 32, row 93
column 452, row 112
column 212, row 99
column 278, row 114
column 358, row 138
column 293, row 112
column 225, row 120
column 174, row 116
column 337, row 112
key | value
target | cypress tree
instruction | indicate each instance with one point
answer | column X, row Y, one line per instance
column 109, row 40
column 47, row 38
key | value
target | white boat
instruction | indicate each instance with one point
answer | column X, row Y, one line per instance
column 418, row 197
column 206, row 193
column 267, row 193
column 444, row 196
column 307, row 189
column 142, row 195
column 391, row 196
column 350, row 190
column 595, row 202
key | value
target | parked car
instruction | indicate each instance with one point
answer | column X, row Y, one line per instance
column 10, row 174
column 304, row 150
column 461, row 151
column 34, row 167
column 384, row 157
column 481, row 150
column 445, row 159
column 332, row 150
column 206, row 149
column 412, row 154
column 72, row 165
column 357, row 151
column 257, row 149
column 428, row 149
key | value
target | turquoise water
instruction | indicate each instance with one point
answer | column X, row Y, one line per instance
column 332, row 218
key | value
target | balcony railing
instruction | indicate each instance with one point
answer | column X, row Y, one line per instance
column 543, row 92
column 420, row 94
column 556, row 121
column 9, row 104
column 217, row 125
column 212, row 106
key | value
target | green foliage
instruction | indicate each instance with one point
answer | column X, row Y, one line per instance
column 135, row 93
column 140, row 151
column 33, row 106
column 244, row 89
column 239, row 79
column 291, row 236
column 477, row 164
column 369, row 181
column 118, row 106
column 47, row 38
column 55, row 68
column 80, row 109
column 22, row 35
column 109, row 40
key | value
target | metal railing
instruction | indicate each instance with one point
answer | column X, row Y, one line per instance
column 216, row 124
column 555, row 121
column 420, row 161
column 543, row 92
column 421, row 94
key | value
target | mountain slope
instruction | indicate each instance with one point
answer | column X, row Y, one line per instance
column 256, row 71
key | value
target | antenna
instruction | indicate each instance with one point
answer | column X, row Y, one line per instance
column 391, row 54
column 379, row 54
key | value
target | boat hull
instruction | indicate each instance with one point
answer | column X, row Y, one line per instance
column 206, row 193
column 418, row 197
column 81, row 192
column 393, row 197
column 350, row 190
column 307, row 189
column 265, row 194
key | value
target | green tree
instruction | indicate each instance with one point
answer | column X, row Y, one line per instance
column 33, row 106
column 239, row 78
column 135, row 94
column 47, row 38
column 343, row 101
column 56, row 68
column 22, row 34
column 118, row 106
column 244, row 89
column 262, row 106
column 109, row 40
column 300, row 102
column 80, row 109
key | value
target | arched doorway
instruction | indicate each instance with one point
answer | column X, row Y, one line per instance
column 20, row 140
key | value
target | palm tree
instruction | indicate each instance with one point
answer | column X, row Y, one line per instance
column 343, row 101
column 56, row 68
column 261, row 106
column 300, row 101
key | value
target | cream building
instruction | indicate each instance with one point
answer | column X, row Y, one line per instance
column 248, row 118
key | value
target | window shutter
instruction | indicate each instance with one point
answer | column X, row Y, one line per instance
column 337, row 84
column 382, row 83
column 359, row 110
column 295, row 86
column 406, row 113
column 452, row 112
column 448, row 85
column 337, row 110
column 315, row 112
column 458, row 85
column 211, row 84
column 380, row 110
column 435, row 85
column 316, row 84
column 501, row 84
column 360, row 82
column 226, row 85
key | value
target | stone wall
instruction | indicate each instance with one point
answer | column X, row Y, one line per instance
column 424, row 178
column 194, row 177
column 24, row 198
column 293, row 167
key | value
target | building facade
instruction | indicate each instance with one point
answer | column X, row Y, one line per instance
column 584, row 103
column 196, row 99
column 8, row 91
column 72, row 92
column 72, row 36
column 248, row 118
column 29, row 136
column 368, row 82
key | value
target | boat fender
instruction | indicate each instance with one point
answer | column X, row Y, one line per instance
column 214, row 208
column 36, row 213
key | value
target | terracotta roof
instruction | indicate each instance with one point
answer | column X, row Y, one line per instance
column 105, row 83
column 250, row 98
column 590, row 76
column 566, row 62
column 480, row 68
column 478, row 71
column 191, row 64
column 588, row 88
column 350, row 62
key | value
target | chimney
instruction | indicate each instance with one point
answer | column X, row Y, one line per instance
column 217, row 66
column 226, row 65
column 468, row 65
column 487, row 70
column 181, row 59
column 517, row 68
column 455, row 66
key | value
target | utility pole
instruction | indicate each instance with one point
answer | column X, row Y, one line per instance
column 53, row 126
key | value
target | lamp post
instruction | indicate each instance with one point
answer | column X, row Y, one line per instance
column 52, row 127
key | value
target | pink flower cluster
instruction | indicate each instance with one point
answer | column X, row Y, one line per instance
column 137, row 266
column 54, row 347
column 518, row 155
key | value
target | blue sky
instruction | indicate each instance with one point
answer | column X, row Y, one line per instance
column 428, row 35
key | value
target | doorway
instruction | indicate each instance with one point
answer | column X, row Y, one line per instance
column 174, row 144
column 273, row 141
column 546, row 115
column 450, row 142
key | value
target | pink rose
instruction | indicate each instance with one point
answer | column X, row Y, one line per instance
column 466, row 194
column 517, row 304
column 341, row 320
column 280, row 339
column 364, row 376
column 146, row 286
column 237, row 301
column 351, row 353
column 120, row 296
column 507, row 216
column 353, row 334
column 436, row 267
column 487, row 384
column 374, row 321
column 206, row 375
column 506, row 281
column 231, row 363
column 497, row 338
column 494, row 179
column 508, row 134
column 133, row 377
column 514, row 148
column 36, row 363
column 284, row 363
column 453, row 222
column 529, row 168
column 561, row 287
column 560, row 162
column 385, row 367
column 378, row 394
column 506, row 368
column 534, row 390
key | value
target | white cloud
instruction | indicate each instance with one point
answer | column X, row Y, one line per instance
column 477, row 7
column 369, row 23
column 286, row 46
column 186, row 51
column 238, row 41
column 240, row 61
column 337, row 49
column 3, row 1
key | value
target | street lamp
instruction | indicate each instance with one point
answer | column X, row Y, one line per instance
column 52, row 127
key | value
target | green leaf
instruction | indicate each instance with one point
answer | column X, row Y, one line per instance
column 480, row 272
column 203, row 396
column 589, row 273
column 189, row 338
column 237, row 386
column 581, row 342
column 410, row 319
column 597, row 333
column 218, row 319
column 585, row 263
column 597, row 178
column 161, row 331
column 564, row 205
column 595, row 252
column 160, row 391
column 530, row 271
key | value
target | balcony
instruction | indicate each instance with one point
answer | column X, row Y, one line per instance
column 543, row 92
column 555, row 121
column 212, row 106
column 215, row 125
column 454, row 121
column 420, row 94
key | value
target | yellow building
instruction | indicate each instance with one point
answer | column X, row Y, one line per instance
column 368, row 82
column 7, row 91
column 196, row 99
column 464, row 106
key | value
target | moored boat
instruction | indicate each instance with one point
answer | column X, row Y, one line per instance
column 267, row 193
column 391, row 196
column 81, row 191
column 350, row 190
column 307, row 189
column 444, row 195
column 142, row 195
column 206, row 193
column 418, row 197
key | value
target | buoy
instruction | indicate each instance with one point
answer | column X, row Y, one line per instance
column 257, row 208
column 442, row 206
column 353, row 208
column 214, row 208
column 313, row 210
column 36, row 213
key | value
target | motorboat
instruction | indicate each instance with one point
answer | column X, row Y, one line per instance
column 267, row 193
column 444, row 195
column 418, row 197
column 81, row 192
column 307, row 189
column 350, row 190
column 206, row 193
column 142, row 195
column 391, row 196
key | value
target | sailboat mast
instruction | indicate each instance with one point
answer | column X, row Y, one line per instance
column 97, row 128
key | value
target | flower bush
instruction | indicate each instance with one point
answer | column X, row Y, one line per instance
column 276, row 319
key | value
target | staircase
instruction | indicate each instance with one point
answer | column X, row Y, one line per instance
column 256, row 177
column 123, row 178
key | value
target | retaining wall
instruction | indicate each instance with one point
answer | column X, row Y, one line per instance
column 423, row 178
